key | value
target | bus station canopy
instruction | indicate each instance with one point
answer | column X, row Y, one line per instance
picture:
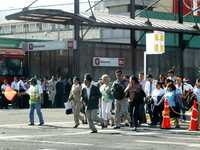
column 104, row 20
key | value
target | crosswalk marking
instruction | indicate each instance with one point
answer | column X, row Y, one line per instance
column 169, row 143
column 54, row 142
column 5, row 137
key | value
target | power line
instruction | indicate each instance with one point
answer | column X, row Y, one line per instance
column 42, row 6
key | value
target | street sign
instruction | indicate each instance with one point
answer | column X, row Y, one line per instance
column 155, row 42
column 108, row 62
column 46, row 46
column 72, row 44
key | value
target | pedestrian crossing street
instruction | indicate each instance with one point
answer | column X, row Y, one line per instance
column 58, row 134
column 83, row 129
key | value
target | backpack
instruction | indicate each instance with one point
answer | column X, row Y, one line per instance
column 118, row 91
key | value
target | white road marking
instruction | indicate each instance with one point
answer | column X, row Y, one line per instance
column 26, row 125
column 46, row 149
column 184, row 138
column 129, row 132
column 53, row 142
column 169, row 143
column 3, row 137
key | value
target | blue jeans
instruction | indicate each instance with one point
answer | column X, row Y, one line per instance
column 36, row 106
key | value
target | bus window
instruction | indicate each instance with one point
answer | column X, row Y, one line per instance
column 11, row 67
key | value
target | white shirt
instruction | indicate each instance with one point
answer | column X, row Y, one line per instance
column 14, row 85
column 88, row 89
column 143, row 83
column 188, row 87
column 149, row 87
column 21, row 83
column 179, row 88
column 3, row 86
column 156, row 93
column 40, row 88
column 197, row 93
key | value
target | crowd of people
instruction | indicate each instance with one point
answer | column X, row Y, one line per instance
column 126, row 101
column 131, row 98
column 55, row 92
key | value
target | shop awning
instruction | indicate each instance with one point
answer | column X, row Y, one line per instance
column 11, row 52
column 104, row 20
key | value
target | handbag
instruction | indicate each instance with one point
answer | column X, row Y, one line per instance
column 68, row 108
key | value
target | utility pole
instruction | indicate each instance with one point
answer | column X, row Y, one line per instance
column 76, row 53
column 132, row 36
column 180, row 55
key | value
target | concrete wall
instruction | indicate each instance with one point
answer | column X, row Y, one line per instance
column 48, row 63
column 90, row 50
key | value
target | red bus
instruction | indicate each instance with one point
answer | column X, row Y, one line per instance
column 11, row 64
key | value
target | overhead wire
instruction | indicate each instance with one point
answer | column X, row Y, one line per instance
column 44, row 6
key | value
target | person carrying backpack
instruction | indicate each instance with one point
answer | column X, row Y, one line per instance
column 121, row 101
column 35, row 94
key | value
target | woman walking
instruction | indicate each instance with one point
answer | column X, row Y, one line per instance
column 107, row 99
column 135, row 96
column 173, row 97
column 157, row 95
column 75, row 97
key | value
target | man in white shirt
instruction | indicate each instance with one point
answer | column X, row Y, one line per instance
column 142, row 80
column 22, row 97
column 90, row 97
column 21, row 86
column 35, row 102
column 149, row 88
column 14, row 86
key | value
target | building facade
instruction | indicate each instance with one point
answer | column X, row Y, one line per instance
column 105, row 43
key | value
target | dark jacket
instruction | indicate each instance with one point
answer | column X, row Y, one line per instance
column 93, row 101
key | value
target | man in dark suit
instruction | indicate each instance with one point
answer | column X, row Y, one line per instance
column 90, row 97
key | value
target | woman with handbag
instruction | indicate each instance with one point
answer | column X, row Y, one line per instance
column 75, row 97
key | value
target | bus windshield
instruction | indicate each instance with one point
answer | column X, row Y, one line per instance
column 11, row 67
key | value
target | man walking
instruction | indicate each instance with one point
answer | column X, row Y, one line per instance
column 90, row 97
column 121, row 106
column 35, row 94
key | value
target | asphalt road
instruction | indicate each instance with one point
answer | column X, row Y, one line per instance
column 58, row 134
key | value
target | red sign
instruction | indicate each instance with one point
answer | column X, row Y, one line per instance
column 97, row 61
column 188, row 6
column 121, row 61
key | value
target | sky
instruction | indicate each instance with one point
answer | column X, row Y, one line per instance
column 7, row 5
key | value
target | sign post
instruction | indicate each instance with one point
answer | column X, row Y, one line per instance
column 155, row 44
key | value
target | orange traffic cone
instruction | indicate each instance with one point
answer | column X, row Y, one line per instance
column 166, row 118
column 194, row 125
